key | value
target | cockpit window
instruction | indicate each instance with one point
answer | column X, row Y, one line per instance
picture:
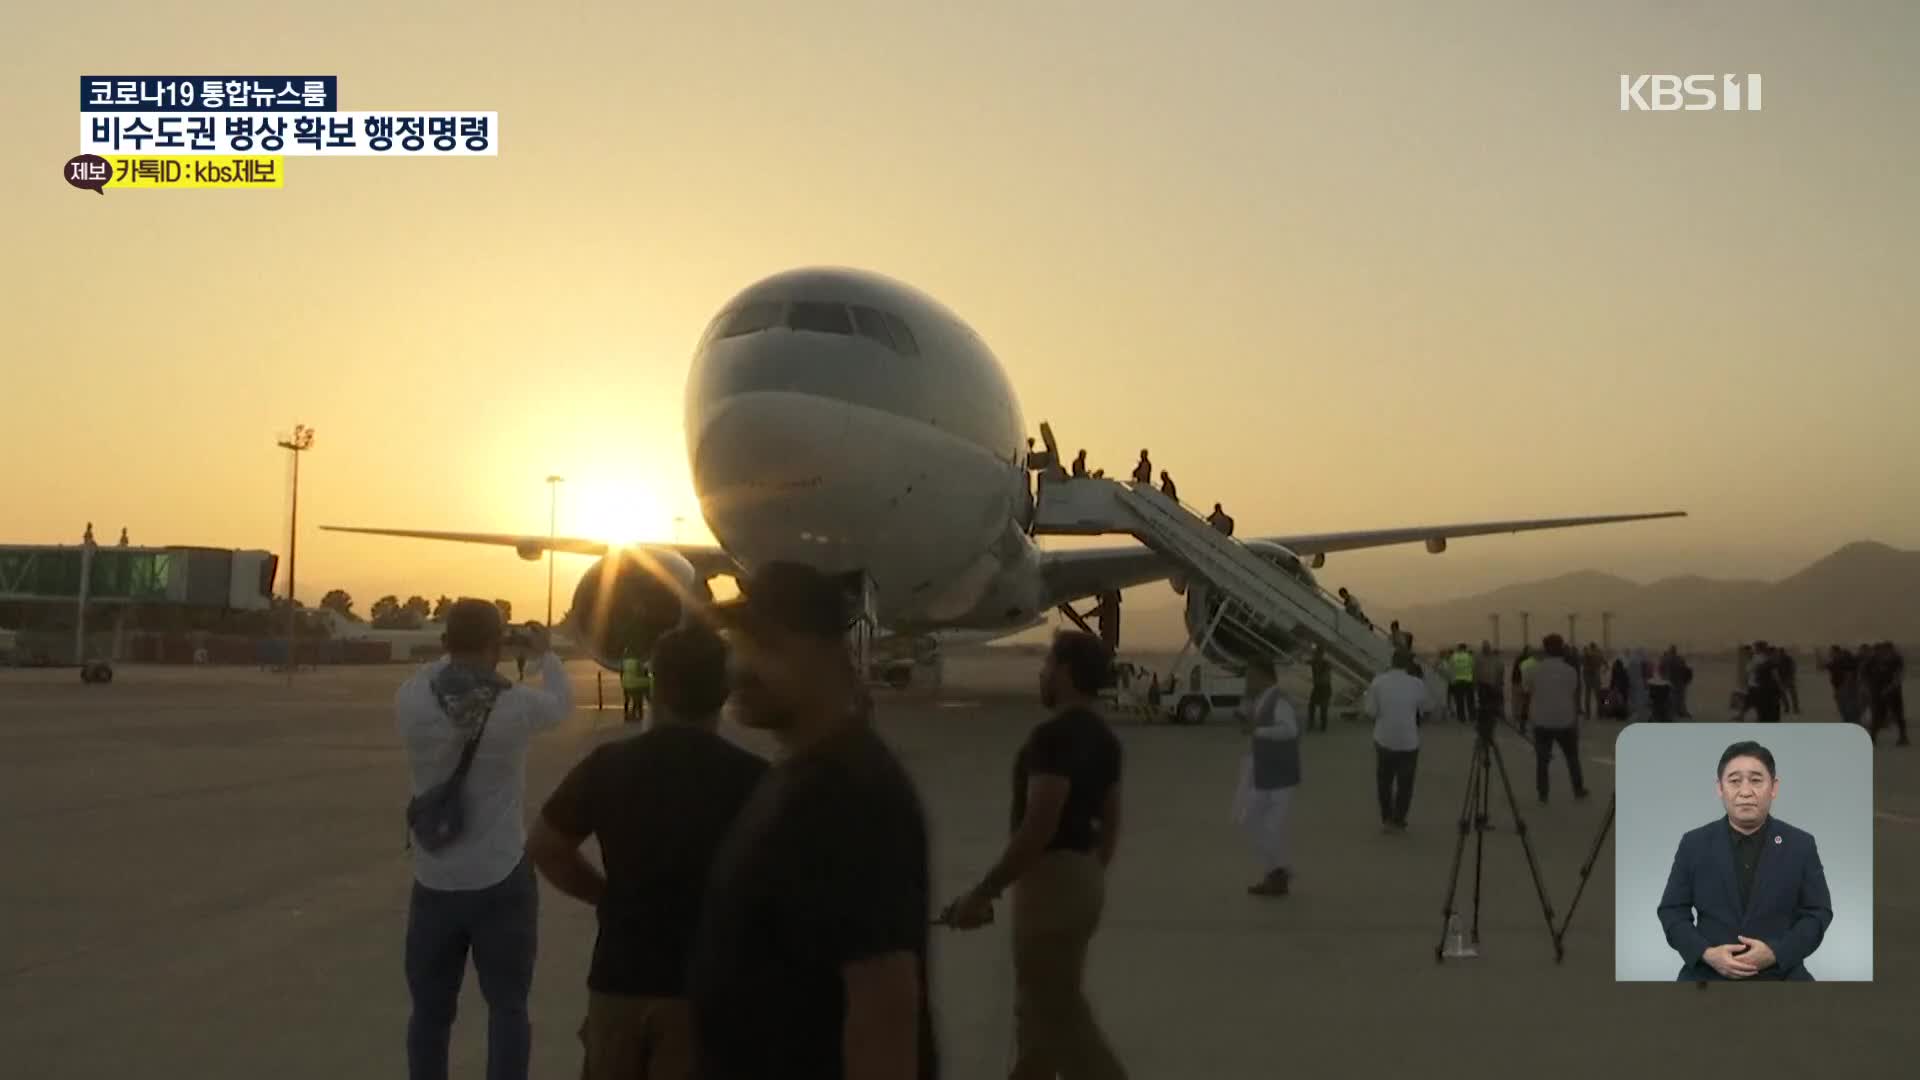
column 819, row 317
column 902, row 336
column 753, row 317
column 873, row 324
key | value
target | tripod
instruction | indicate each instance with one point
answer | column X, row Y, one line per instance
column 1560, row 935
column 1474, row 810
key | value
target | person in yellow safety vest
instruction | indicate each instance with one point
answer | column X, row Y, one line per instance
column 1460, row 687
column 633, row 686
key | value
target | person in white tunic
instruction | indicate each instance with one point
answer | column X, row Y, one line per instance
column 1269, row 776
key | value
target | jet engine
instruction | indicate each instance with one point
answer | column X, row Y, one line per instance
column 1241, row 635
column 630, row 598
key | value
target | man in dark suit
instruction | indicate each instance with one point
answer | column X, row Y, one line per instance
column 1754, row 882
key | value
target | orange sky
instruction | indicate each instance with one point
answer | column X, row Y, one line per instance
column 1344, row 265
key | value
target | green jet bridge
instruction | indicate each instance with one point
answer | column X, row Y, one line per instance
column 88, row 575
column 1260, row 599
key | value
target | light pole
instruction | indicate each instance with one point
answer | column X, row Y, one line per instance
column 1526, row 629
column 1606, row 632
column 1573, row 633
column 301, row 442
column 553, row 519
column 1495, row 619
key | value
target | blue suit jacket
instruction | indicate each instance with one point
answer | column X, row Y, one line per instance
column 1790, row 908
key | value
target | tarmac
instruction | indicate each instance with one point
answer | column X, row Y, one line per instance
column 205, row 878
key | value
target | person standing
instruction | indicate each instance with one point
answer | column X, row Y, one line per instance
column 1660, row 691
column 1221, row 521
column 1143, row 472
column 1269, row 776
column 1885, row 674
column 659, row 804
column 1397, row 702
column 1320, row 699
column 1593, row 680
column 1619, row 691
column 1763, row 693
column 1788, row 674
column 1743, row 663
column 1639, row 698
column 631, row 667
column 1487, row 672
column 1066, row 822
column 1681, row 673
column 1553, row 696
column 1167, row 487
column 811, row 957
column 1351, row 605
column 1521, row 665
column 1842, row 673
column 1460, row 668
column 473, row 888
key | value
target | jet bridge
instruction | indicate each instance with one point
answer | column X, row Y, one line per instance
column 1263, row 599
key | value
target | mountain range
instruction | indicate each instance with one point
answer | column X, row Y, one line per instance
column 1862, row 592
column 1865, row 591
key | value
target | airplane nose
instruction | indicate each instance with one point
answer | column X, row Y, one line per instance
column 765, row 461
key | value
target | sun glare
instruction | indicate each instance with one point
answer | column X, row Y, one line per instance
column 617, row 514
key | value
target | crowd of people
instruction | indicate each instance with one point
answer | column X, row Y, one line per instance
column 1868, row 687
column 760, row 918
column 1045, row 465
column 755, row 918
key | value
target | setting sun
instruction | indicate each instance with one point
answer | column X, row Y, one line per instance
column 615, row 512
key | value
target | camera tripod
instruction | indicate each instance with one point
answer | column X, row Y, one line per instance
column 1586, row 871
column 1474, row 812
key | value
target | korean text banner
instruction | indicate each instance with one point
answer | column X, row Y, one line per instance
column 342, row 134
column 209, row 93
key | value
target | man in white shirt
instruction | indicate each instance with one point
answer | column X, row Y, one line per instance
column 1268, row 777
column 1397, row 701
column 476, row 893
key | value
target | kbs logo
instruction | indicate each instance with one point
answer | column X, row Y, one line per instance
column 1689, row 93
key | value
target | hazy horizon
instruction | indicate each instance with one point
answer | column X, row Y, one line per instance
column 1339, row 267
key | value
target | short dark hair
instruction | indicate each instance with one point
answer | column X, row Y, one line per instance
column 794, row 596
column 690, row 672
column 1085, row 658
column 1554, row 645
column 1747, row 748
column 473, row 625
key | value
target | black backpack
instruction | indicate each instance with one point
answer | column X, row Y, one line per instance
column 438, row 816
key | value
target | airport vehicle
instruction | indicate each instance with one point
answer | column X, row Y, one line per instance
column 1196, row 692
column 846, row 420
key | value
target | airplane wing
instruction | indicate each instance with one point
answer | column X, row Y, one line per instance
column 1076, row 574
column 707, row 560
column 1322, row 543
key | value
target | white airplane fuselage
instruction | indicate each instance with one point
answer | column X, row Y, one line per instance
column 819, row 431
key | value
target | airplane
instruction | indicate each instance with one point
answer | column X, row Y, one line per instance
column 844, row 419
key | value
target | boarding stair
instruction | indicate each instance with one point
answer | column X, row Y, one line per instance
column 1255, row 592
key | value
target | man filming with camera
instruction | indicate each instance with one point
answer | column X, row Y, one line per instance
column 466, row 729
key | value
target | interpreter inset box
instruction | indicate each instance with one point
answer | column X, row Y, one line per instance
column 1743, row 853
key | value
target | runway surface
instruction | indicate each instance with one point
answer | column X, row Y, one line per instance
column 205, row 878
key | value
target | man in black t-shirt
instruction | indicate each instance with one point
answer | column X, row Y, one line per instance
column 811, row 961
column 660, row 804
column 1066, row 827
